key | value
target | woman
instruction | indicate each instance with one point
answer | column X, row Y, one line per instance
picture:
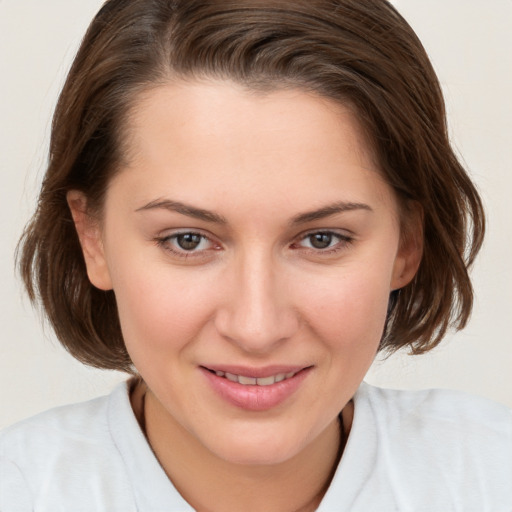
column 245, row 202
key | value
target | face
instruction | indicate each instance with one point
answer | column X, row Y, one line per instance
column 252, row 246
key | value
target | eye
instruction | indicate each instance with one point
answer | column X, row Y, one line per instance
column 189, row 241
column 320, row 240
column 324, row 241
column 186, row 244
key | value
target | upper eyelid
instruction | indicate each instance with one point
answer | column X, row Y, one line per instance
column 343, row 233
column 171, row 233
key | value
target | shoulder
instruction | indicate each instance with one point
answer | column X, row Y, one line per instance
column 84, row 422
column 423, row 451
column 453, row 412
column 442, row 445
column 63, row 455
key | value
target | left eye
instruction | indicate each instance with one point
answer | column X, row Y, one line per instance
column 322, row 240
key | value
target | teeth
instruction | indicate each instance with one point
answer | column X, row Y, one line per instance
column 266, row 381
column 246, row 380
column 253, row 381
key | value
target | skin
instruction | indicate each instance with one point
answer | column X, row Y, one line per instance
column 256, row 291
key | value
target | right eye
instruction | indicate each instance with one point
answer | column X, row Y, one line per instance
column 186, row 243
column 321, row 240
column 189, row 241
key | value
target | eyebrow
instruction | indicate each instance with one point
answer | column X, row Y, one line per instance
column 209, row 216
column 327, row 211
column 184, row 209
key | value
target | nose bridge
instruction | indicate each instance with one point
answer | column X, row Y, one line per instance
column 259, row 311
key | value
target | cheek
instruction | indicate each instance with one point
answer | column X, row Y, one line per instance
column 349, row 311
column 349, row 320
column 160, row 309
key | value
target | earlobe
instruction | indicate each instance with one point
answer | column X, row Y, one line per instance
column 89, row 234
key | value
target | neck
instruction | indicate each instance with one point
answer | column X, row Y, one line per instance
column 204, row 480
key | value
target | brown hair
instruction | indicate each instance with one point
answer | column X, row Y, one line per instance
column 357, row 52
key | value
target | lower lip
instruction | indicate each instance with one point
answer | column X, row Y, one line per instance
column 255, row 398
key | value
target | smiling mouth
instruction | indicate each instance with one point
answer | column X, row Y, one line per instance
column 256, row 389
column 253, row 381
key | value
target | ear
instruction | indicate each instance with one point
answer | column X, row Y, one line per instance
column 410, row 251
column 89, row 233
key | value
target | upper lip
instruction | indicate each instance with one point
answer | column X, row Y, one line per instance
column 256, row 372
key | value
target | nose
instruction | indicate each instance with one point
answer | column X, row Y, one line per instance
column 258, row 311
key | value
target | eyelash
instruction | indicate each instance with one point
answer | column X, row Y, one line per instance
column 166, row 243
column 343, row 241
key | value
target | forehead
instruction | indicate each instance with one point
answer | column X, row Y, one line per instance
column 213, row 140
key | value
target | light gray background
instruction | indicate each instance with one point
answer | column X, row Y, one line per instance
column 470, row 43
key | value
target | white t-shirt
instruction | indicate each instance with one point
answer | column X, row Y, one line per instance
column 408, row 451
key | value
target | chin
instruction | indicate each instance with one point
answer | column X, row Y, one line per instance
column 255, row 456
column 256, row 449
